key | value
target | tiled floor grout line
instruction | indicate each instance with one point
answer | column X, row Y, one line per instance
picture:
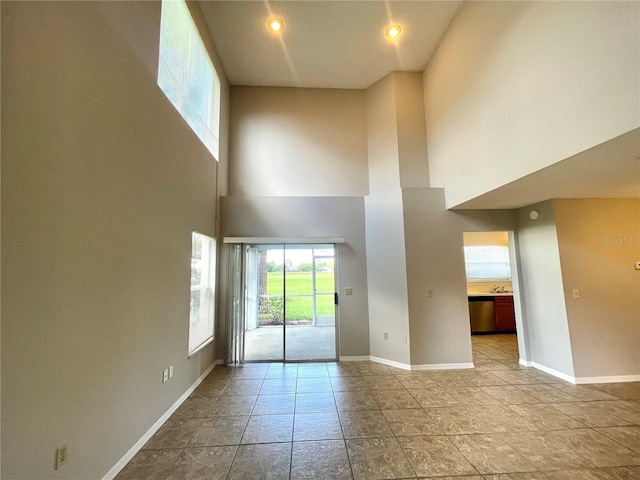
column 466, row 380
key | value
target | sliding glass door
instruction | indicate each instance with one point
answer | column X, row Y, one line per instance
column 289, row 303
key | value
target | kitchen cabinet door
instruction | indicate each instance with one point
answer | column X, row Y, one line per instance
column 504, row 314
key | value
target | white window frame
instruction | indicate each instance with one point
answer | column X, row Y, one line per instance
column 468, row 263
column 202, row 324
column 185, row 70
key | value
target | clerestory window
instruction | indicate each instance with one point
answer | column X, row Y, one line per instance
column 186, row 74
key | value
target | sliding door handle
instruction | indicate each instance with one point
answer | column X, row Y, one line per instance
column 335, row 298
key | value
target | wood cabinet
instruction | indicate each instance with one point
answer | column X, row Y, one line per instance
column 504, row 314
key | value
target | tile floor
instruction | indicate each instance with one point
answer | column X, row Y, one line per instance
column 363, row 420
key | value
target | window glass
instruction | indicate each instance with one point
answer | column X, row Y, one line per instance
column 186, row 74
column 201, row 310
column 487, row 262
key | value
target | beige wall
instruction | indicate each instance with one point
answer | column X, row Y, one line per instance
column 546, row 321
column 413, row 242
column 298, row 142
column 299, row 217
column 440, row 329
column 517, row 86
column 599, row 243
column 382, row 136
column 102, row 184
column 396, row 133
column 387, row 276
column 412, row 141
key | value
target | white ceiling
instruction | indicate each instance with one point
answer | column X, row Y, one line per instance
column 328, row 44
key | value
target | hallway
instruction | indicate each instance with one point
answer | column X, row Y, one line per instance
column 367, row 421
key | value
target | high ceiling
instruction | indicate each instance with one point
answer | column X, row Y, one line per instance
column 329, row 44
column 342, row 44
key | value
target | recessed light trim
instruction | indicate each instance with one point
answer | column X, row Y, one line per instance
column 394, row 31
column 275, row 24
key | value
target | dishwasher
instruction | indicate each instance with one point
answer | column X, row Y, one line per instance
column 481, row 315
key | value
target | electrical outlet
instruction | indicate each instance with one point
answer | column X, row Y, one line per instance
column 429, row 292
column 385, row 335
column 348, row 291
column 61, row 456
column 404, row 339
column 576, row 293
column 165, row 375
column 170, row 371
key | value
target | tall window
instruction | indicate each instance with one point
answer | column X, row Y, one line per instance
column 201, row 313
column 186, row 74
column 487, row 262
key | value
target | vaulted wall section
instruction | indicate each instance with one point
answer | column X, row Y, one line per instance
column 515, row 87
column 413, row 243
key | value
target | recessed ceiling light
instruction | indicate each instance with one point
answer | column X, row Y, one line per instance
column 393, row 31
column 276, row 24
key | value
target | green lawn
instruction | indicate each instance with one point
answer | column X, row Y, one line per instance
column 299, row 283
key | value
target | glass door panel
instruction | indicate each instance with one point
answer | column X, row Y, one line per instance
column 264, row 336
column 310, row 328
column 325, row 312
column 289, row 310
column 298, row 301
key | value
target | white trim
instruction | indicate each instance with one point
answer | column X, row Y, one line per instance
column 430, row 366
column 443, row 366
column 404, row 366
column 551, row 371
column 362, row 358
column 156, row 426
column 202, row 345
column 391, row 363
column 278, row 240
column 609, row 379
column 581, row 380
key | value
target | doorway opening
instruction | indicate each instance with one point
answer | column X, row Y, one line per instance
column 289, row 304
column 490, row 290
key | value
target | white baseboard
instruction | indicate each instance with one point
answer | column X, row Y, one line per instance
column 443, row 366
column 609, row 379
column 362, row 358
column 524, row 363
column 430, row 366
column 581, row 380
column 156, row 426
column 545, row 369
column 555, row 373
column 391, row 363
